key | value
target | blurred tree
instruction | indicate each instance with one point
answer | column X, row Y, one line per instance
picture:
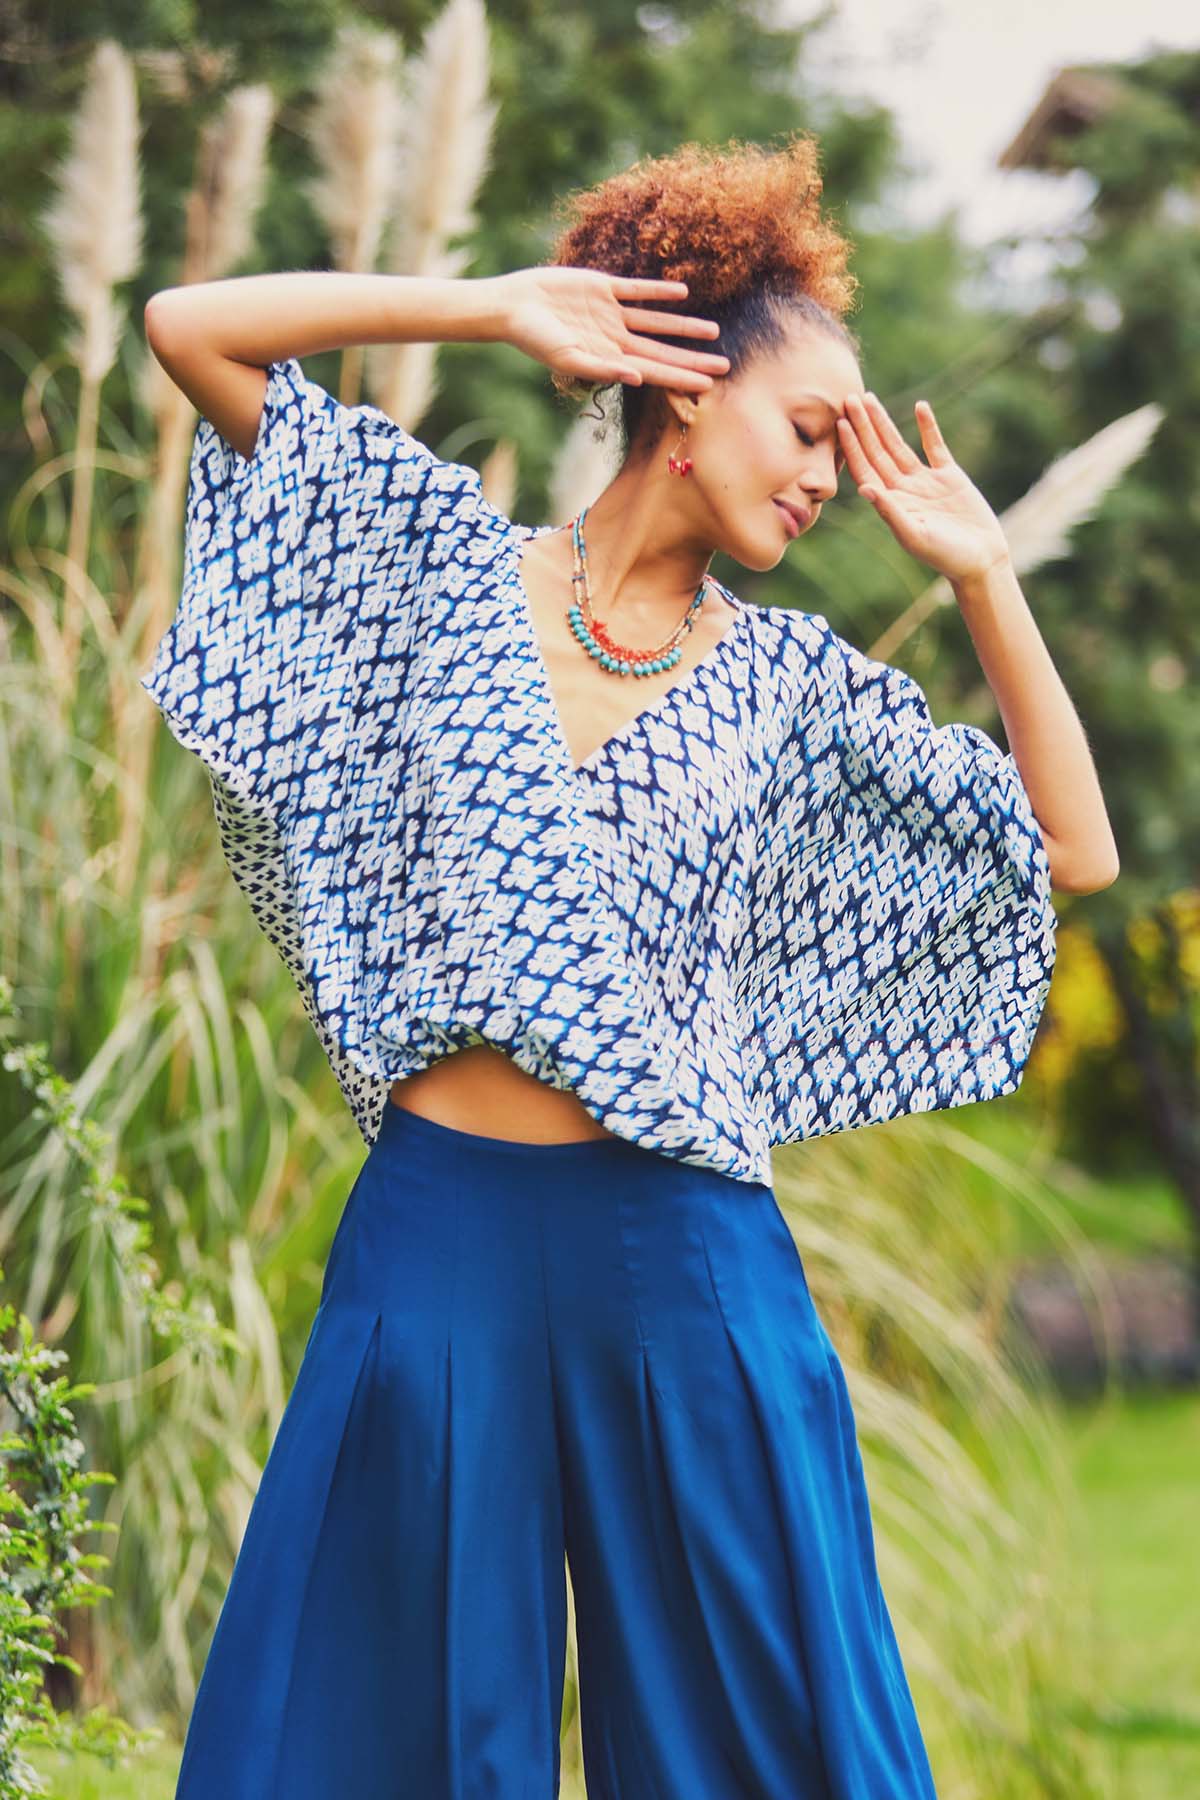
column 1120, row 328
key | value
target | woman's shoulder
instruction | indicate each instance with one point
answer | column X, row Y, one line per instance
column 782, row 626
column 788, row 645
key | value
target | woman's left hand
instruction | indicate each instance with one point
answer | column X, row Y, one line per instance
column 934, row 509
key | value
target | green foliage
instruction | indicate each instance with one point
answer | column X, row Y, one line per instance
column 43, row 1491
column 1122, row 329
column 111, row 1208
column 1122, row 326
column 43, row 1572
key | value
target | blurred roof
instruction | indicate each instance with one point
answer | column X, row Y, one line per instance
column 1074, row 99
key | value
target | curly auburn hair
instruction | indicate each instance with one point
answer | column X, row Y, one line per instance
column 741, row 225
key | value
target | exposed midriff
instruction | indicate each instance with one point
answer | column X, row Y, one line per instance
column 480, row 1089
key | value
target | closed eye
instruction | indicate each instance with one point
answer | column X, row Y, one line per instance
column 839, row 455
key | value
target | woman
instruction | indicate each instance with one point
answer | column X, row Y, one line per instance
column 597, row 883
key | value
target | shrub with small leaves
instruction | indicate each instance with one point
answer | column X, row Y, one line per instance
column 43, row 1571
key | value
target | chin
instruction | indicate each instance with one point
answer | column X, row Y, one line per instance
column 765, row 554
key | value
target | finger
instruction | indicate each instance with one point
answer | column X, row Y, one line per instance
column 856, row 460
column 681, row 324
column 901, row 453
column 673, row 375
column 673, row 353
column 936, row 448
column 645, row 287
column 603, row 370
column 882, row 501
column 869, row 440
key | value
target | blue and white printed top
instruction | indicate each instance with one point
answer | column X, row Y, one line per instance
column 779, row 902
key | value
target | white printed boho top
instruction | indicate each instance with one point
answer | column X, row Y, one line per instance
column 779, row 902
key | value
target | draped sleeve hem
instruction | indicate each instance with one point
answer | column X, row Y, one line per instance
column 903, row 934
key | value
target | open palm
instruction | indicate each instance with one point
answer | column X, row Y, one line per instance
column 581, row 322
column 934, row 509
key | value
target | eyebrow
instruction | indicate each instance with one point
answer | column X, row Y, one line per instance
column 809, row 394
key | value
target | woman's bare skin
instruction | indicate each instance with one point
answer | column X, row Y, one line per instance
column 481, row 1090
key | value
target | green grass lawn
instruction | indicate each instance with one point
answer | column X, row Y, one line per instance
column 1137, row 1463
column 150, row 1777
column 1138, row 1467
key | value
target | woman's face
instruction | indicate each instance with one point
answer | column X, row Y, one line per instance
column 769, row 436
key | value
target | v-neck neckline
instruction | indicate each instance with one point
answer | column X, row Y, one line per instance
column 578, row 772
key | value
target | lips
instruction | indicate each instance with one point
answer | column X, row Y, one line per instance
column 795, row 517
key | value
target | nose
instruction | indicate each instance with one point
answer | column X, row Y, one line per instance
column 822, row 483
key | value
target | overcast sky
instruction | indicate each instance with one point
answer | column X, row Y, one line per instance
column 961, row 76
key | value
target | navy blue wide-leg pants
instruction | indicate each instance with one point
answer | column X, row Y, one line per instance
column 531, row 1352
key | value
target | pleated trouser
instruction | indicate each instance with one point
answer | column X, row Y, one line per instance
column 525, row 1352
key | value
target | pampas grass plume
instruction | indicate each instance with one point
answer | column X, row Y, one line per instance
column 443, row 156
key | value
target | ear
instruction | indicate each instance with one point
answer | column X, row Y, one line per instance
column 683, row 406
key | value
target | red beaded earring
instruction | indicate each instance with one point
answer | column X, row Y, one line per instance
column 680, row 465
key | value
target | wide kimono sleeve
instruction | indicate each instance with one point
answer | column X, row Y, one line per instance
column 282, row 609
column 900, row 929
column 313, row 575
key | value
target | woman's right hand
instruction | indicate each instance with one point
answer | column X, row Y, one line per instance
column 581, row 322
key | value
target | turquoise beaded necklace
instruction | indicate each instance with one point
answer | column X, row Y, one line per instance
column 618, row 659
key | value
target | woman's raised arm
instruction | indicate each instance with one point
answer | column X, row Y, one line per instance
column 215, row 338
